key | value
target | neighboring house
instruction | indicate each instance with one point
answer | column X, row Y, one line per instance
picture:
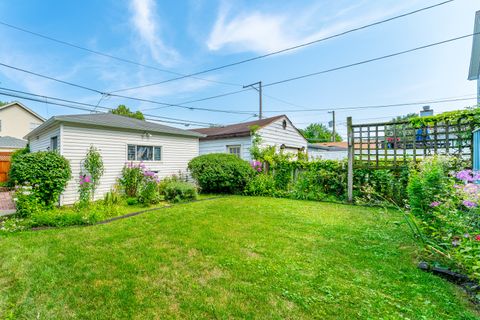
column 16, row 120
column 328, row 151
column 237, row 138
column 163, row 149
column 10, row 144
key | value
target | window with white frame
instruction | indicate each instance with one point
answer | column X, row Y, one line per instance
column 144, row 153
column 235, row 149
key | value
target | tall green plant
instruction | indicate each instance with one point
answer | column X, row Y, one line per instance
column 93, row 165
column 47, row 173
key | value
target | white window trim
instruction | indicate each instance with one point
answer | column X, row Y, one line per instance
column 228, row 146
column 144, row 145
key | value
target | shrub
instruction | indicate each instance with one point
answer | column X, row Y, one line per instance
column 178, row 191
column 111, row 198
column 26, row 202
column 261, row 185
column 221, row 173
column 47, row 172
column 148, row 193
column 428, row 184
column 132, row 177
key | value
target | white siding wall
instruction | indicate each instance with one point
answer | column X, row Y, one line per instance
column 42, row 141
column 177, row 151
column 275, row 135
column 220, row 146
column 327, row 155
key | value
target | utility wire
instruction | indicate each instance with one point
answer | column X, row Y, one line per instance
column 290, row 48
column 340, row 68
column 83, row 106
column 128, row 97
column 370, row 60
column 378, row 106
column 235, row 92
column 112, row 56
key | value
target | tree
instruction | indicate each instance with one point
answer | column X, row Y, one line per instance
column 125, row 111
column 318, row 132
column 408, row 116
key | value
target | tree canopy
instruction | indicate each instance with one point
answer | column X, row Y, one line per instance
column 123, row 110
column 318, row 132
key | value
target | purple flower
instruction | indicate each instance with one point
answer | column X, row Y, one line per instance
column 469, row 204
column 149, row 174
column 468, row 175
column 435, row 204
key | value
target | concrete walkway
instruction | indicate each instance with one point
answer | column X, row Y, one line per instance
column 6, row 203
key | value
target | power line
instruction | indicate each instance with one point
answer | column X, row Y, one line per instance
column 126, row 97
column 377, row 106
column 235, row 92
column 111, row 56
column 83, row 106
column 344, row 67
column 290, row 48
column 371, row 60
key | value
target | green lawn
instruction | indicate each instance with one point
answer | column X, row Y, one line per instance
column 236, row 257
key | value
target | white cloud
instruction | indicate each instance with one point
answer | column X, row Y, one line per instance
column 144, row 21
column 266, row 32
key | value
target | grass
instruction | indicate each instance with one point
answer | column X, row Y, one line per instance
column 234, row 257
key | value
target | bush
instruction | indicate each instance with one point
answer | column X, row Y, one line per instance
column 47, row 173
column 428, row 184
column 221, row 173
column 178, row 191
column 261, row 185
column 26, row 202
column 149, row 191
column 132, row 178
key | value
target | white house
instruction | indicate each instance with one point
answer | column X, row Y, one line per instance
column 328, row 151
column 163, row 149
column 474, row 71
column 237, row 138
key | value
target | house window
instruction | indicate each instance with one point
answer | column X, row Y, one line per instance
column 54, row 143
column 144, row 153
column 0, row 125
column 234, row 150
column 284, row 124
column 33, row 125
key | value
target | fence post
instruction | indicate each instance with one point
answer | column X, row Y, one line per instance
column 350, row 159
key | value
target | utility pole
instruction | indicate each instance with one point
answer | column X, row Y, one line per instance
column 333, row 125
column 259, row 89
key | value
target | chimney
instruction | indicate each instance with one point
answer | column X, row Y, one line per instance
column 426, row 111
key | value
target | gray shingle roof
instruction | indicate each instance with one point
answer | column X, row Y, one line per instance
column 11, row 142
column 110, row 120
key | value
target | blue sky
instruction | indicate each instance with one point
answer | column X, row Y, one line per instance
column 189, row 36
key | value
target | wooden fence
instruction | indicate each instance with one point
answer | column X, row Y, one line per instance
column 4, row 165
column 390, row 145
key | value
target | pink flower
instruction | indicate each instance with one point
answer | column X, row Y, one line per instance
column 435, row 204
column 477, row 237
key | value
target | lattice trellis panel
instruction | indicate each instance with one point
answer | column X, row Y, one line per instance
column 392, row 144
